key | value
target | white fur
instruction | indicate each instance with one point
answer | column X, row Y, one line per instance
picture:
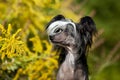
column 56, row 24
column 67, row 66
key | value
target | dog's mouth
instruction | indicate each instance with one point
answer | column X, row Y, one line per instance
column 57, row 41
column 59, row 38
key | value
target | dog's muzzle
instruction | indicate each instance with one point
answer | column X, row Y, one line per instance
column 51, row 38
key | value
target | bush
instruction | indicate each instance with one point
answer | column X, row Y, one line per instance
column 24, row 49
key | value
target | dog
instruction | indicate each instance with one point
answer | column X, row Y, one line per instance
column 71, row 40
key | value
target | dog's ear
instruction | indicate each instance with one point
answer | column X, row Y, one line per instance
column 87, row 29
column 56, row 18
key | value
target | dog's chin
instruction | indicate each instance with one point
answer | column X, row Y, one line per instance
column 60, row 43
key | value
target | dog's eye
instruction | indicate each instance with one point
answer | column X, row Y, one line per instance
column 58, row 30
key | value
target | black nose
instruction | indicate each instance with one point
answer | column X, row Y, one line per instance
column 51, row 38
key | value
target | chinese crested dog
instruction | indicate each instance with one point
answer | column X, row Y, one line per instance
column 71, row 40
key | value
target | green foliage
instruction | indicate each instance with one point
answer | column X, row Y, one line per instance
column 104, row 60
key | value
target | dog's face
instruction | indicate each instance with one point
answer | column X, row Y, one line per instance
column 62, row 32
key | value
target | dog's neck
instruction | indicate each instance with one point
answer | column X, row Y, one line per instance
column 74, row 67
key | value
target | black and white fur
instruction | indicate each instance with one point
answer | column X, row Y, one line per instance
column 72, row 40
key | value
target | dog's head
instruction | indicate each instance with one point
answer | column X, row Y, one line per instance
column 64, row 32
column 61, row 31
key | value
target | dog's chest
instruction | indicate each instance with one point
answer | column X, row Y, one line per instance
column 66, row 70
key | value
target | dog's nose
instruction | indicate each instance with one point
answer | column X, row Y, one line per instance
column 51, row 37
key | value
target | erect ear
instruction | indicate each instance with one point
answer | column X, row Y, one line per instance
column 56, row 18
column 87, row 29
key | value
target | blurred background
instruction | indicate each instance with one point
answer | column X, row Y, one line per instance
column 25, row 52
